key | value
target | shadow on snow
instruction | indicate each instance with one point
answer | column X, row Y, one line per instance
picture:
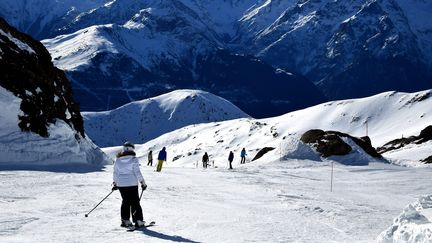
column 174, row 238
column 64, row 168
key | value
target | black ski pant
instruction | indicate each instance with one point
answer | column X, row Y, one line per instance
column 243, row 160
column 130, row 202
column 230, row 164
column 150, row 163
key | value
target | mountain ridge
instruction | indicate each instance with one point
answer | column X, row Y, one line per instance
column 348, row 49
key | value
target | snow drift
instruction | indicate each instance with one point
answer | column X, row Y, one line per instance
column 414, row 224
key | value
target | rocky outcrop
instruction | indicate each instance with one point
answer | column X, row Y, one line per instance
column 428, row 160
column 329, row 143
column 262, row 152
column 424, row 136
column 27, row 72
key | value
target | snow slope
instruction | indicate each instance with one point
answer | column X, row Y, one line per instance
column 389, row 115
column 287, row 201
column 141, row 121
column 18, row 148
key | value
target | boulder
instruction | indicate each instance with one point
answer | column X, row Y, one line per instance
column 329, row 143
column 262, row 152
column 428, row 160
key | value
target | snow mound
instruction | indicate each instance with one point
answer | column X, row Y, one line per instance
column 296, row 149
column 414, row 224
column 27, row 148
column 147, row 119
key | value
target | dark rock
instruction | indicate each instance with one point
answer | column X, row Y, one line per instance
column 332, row 144
column 312, row 136
column 329, row 143
column 45, row 91
column 262, row 152
column 428, row 160
column 366, row 144
column 424, row 136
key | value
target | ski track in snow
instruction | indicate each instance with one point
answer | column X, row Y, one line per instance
column 274, row 202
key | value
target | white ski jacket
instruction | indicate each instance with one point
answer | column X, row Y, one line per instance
column 127, row 171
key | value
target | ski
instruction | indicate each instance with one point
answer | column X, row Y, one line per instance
column 133, row 228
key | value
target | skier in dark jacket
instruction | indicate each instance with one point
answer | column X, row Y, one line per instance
column 161, row 158
column 150, row 158
column 230, row 159
column 205, row 160
column 243, row 156
column 126, row 176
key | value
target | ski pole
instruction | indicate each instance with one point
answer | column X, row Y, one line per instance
column 142, row 191
column 87, row 214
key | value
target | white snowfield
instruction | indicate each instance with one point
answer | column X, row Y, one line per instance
column 288, row 201
column 19, row 148
column 141, row 121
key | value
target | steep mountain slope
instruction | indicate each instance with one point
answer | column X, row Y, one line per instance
column 41, row 122
column 358, row 47
column 141, row 121
column 388, row 115
column 132, row 63
column 41, row 18
column 349, row 49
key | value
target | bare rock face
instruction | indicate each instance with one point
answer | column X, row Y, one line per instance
column 329, row 143
column 27, row 71
column 262, row 152
column 428, row 160
column 424, row 136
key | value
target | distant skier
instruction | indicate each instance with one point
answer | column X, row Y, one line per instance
column 205, row 160
column 162, row 156
column 230, row 159
column 126, row 176
column 243, row 156
column 150, row 158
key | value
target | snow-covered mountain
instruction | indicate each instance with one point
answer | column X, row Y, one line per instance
column 41, row 18
column 146, row 57
column 40, row 123
column 388, row 116
column 141, row 121
column 348, row 48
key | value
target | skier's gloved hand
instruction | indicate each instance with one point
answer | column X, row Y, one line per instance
column 114, row 186
column 143, row 185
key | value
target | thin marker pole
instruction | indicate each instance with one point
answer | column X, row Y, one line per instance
column 331, row 179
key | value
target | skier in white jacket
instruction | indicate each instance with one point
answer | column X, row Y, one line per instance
column 126, row 176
